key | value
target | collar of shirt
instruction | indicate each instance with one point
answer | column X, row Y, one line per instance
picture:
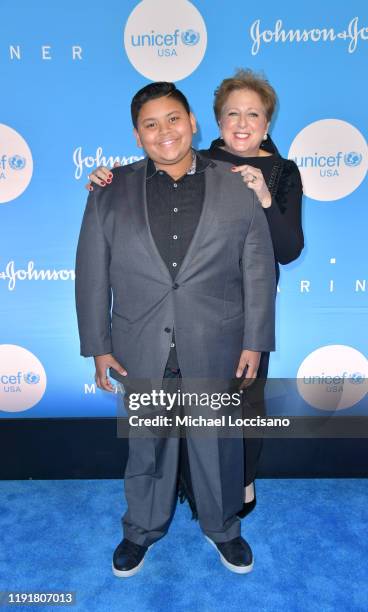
column 199, row 164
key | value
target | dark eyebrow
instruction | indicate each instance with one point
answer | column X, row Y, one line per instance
column 168, row 115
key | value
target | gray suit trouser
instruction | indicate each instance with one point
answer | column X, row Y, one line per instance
column 151, row 477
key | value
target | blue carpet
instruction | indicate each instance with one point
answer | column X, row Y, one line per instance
column 309, row 539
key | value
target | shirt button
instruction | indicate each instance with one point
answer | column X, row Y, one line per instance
column 175, row 237
column 175, row 185
column 167, row 330
column 175, row 210
column 161, row 173
column 172, row 345
column 174, row 264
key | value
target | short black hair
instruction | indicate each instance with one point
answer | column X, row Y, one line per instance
column 153, row 91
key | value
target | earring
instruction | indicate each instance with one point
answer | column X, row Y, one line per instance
column 265, row 136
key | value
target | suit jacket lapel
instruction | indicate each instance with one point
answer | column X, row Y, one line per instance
column 136, row 185
column 205, row 220
column 137, row 196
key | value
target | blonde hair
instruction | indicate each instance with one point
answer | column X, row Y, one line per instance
column 245, row 79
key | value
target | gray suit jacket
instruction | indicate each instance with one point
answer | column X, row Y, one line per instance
column 223, row 297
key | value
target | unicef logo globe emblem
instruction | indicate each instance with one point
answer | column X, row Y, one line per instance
column 353, row 159
column 17, row 162
column 31, row 378
column 357, row 378
column 190, row 38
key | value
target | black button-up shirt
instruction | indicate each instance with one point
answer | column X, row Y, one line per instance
column 174, row 209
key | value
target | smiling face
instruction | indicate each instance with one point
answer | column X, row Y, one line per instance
column 243, row 123
column 165, row 131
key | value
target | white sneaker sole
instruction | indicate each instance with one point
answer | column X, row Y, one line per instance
column 233, row 568
column 129, row 573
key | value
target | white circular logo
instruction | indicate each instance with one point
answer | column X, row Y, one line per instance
column 22, row 378
column 332, row 156
column 16, row 164
column 333, row 377
column 165, row 42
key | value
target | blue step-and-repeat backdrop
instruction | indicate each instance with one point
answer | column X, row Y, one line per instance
column 68, row 72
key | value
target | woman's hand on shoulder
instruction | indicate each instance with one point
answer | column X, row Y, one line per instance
column 100, row 176
column 253, row 178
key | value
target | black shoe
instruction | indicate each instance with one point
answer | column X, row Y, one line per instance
column 236, row 555
column 248, row 507
column 128, row 558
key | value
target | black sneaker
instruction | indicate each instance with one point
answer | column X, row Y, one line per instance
column 236, row 555
column 128, row 558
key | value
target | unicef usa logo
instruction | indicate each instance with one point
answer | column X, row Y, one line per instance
column 353, row 159
column 357, row 378
column 31, row 378
column 162, row 44
column 332, row 156
column 16, row 164
column 22, row 378
column 333, row 377
column 190, row 37
column 166, row 44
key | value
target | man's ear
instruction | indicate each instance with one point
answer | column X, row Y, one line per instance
column 138, row 140
column 193, row 122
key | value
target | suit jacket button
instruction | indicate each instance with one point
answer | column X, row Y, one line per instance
column 167, row 330
column 175, row 286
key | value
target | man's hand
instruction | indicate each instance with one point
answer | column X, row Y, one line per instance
column 103, row 363
column 249, row 360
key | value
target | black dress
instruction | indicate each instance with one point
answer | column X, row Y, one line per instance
column 284, row 183
column 284, row 219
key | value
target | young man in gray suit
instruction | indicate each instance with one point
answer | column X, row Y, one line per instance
column 175, row 280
